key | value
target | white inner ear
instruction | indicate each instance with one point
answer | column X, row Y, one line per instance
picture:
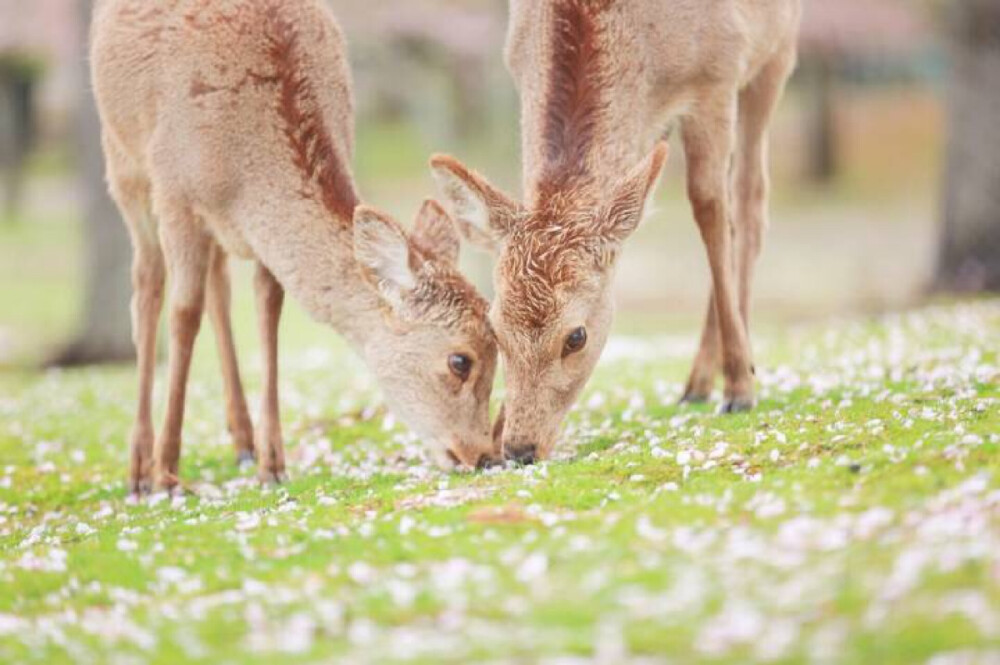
column 466, row 205
column 394, row 267
column 648, row 206
column 628, row 219
column 389, row 259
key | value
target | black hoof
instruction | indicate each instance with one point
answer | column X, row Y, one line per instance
column 271, row 479
column 694, row 398
column 736, row 405
column 523, row 456
column 176, row 491
column 141, row 488
column 245, row 459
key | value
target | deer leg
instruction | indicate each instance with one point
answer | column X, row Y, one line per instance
column 188, row 250
column 148, row 276
column 706, row 363
column 271, row 447
column 709, row 138
column 757, row 104
column 131, row 192
column 219, row 302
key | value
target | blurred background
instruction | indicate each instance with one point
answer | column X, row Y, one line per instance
column 886, row 154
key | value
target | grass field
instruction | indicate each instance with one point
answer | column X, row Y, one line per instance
column 853, row 518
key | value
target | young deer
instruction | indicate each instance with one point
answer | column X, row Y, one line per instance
column 599, row 81
column 227, row 127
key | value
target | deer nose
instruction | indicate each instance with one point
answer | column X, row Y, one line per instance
column 472, row 461
column 487, row 461
column 524, row 453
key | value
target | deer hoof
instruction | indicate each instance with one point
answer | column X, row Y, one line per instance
column 166, row 480
column 245, row 459
column 272, row 478
column 736, row 405
column 692, row 396
column 139, row 488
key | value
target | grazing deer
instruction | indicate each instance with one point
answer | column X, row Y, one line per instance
column 228, row 129
column 599, row 81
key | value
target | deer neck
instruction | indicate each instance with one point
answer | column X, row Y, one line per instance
column 298, row 215
column 311, row 254
column 583, row 109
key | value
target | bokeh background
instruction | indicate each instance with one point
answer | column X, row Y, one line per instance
column 885, row 162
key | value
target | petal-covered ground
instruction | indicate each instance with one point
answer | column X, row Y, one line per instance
column 853, row 518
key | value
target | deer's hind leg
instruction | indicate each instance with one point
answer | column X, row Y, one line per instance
column 271, row 457
column 706, row 363
column 709, row 142
column 750, row 184
column 219, row 303
column 751, row 177
column 131, row 190
column 188, row 250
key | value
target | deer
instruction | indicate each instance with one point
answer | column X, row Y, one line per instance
column 228, row 132
column 602, row 83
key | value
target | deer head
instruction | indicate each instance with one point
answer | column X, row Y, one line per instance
column 433, row 350
column 554, row 306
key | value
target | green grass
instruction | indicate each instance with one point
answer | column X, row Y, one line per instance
column 853, row 518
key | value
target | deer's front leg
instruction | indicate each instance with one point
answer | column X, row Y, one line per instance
column 709, row 139
column 271, row 447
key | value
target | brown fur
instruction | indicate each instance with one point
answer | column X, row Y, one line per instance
column 574, row 95
column 549, row 257
column 313, row 154
column 600, row 81
column 228, row 129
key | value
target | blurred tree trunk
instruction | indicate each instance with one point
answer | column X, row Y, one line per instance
column 969, row 258
column 468, row 79
column 8, row 152
column 17, row 85
column 822, row 124
column 104, row 333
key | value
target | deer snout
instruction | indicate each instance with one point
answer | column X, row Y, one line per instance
column 523, row 445
column 466, row 457
column 521, row 451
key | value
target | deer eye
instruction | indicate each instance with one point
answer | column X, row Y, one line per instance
column 460, row 365
column 575, row 341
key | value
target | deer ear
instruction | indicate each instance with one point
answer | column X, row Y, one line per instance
column 383, row 253
column 484, row 214
column 622, row 214
column 435, row 233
